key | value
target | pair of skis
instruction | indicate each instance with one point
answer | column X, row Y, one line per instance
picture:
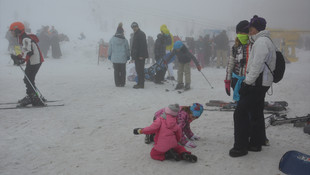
column 270, row 107
column 48, row 103
column 280, row 119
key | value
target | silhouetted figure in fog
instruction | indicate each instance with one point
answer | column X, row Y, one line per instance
column 45, row 41
column 56, row 52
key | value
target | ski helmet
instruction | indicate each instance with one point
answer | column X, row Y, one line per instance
column 196, row 109
column 177, row 45
column 17, row 27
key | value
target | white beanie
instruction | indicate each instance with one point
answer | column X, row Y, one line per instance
column 172, row 109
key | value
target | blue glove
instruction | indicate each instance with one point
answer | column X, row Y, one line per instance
column 109, row 58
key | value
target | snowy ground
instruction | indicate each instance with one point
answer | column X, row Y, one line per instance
column 92, row 133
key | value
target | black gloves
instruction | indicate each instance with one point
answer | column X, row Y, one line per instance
column 17, row 60
column 137, row 131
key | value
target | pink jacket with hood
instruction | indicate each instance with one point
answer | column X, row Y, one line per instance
column 166, row 130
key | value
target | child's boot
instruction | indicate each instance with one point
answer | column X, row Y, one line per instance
column 171, row 154
column 189, row 157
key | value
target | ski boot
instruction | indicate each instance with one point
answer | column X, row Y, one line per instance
column 171, row 154
column 27, row 96
column 149, row 138
column 179, row 86
column 187, row 87
column 36, row 101
column 189, row 157
column 25, row 101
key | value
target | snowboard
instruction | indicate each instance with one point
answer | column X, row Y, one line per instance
column 295, row 163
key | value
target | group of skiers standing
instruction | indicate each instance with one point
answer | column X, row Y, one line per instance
column 119, row 53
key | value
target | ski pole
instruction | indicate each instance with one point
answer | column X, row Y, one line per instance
column 36, row 90
column 207, row 80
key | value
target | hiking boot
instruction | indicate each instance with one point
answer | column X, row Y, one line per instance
column 179, row 86
column 36, row 101
column 24, row 102
column 187, row 87
column 255, row 148
column 137, row 86
column 189, row 157
column 238, row 152
column 171, row 154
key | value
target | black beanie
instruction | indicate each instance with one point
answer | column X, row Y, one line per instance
column 242, row 27
column 258, row 22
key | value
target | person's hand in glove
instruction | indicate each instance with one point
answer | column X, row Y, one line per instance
column 195, row 137
column 190, row 144
column 18, row 60
column 137, row 131
column 199, row 68
column 227, row 87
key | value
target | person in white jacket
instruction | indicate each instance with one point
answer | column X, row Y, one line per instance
column 249, row 124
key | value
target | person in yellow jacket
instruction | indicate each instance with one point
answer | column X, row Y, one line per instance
column 169, row 46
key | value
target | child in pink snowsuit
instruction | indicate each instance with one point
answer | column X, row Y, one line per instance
column 167, row 135
column 186, row 115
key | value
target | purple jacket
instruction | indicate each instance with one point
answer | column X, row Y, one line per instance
column 183, row 121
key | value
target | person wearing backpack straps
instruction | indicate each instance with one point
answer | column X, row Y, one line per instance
column 32, row 55
column 250, row 131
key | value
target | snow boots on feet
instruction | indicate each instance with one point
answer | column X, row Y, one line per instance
column 234, row 152
column 179, row 86
column 172, row 155
column 189, row 157
column 187, row 87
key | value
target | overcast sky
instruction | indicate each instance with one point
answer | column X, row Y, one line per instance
column 180, row 15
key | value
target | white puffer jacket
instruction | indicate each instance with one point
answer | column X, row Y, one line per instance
column 263, row 50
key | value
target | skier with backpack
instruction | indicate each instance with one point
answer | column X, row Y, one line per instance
column 32, row 55
column 249, row 131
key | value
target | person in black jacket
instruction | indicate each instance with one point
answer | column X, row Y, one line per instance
column 160, row 52
column 139, row 53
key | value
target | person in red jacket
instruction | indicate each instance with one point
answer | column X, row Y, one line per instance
column 32, row 55
column 167, row 135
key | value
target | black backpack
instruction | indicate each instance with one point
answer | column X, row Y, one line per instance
column 280, row 67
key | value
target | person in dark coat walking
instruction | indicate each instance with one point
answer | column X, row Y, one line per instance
column 139, row 53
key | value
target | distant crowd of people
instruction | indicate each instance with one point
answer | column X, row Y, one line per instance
column 49, row 38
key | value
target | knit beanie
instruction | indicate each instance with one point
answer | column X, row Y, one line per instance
column 258, row 22
column 242, row 27
column 120, row 29
column 196, row 109
column 172, row 109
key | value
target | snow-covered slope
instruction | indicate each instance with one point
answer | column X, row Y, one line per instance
column 92, row 133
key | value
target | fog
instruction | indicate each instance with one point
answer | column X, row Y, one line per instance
column 99, row 18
